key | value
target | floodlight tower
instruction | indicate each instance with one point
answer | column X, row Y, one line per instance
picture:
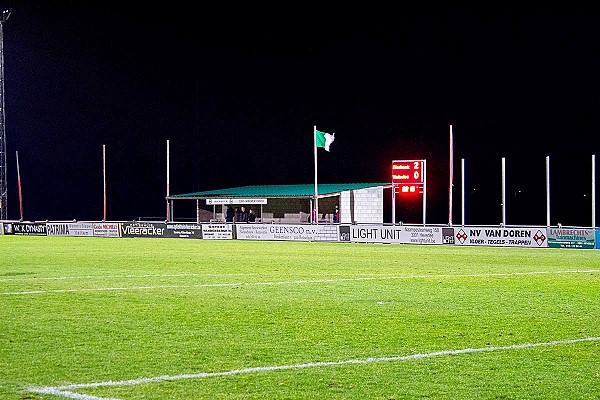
column 3, row 175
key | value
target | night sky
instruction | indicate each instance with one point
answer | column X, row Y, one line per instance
column 237, row 91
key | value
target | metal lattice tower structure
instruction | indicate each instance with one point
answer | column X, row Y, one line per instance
column 3, row 175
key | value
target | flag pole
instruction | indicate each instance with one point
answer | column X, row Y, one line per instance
column 19, row 185
column 168, row 188
column 315, row 216
column 104, row 177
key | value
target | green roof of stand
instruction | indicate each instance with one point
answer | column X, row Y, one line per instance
column 270, row 191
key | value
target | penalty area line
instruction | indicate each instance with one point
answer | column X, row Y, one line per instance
column 66, row 391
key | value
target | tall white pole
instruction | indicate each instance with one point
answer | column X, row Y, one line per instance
column 503, row 191
column 462, row 179
column 548, row 191
column 104, row 178
column 168, row 184
column 315, row 215
column 451, row 178
column 593, row 190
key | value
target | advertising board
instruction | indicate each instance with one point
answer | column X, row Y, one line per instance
column 25, row 228
column 500, row 236
column 217, row 231
column 182, row 230
column 69, row 229
column 307, row 233
column 392, row 234
column 107, row 229
column 143, row 229
column 572, row 238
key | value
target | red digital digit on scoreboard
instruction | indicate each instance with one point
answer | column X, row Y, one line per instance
column 408, row 172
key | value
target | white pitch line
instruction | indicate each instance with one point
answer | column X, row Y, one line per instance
column 63, row 278
column 65, row 391
column 69, row 395
column 296, row 282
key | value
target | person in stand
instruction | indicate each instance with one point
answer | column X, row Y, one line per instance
column 336, row 214
column 229, row 214
column 236, row 215
column 243, row 215
column 251, row 216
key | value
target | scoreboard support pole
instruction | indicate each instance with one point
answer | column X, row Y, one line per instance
column 424, row 190
column 393, row 204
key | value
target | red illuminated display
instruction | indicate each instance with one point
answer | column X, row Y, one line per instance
column 408, row 173
column 408, row 188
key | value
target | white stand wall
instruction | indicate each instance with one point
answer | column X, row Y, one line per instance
column 363, row 206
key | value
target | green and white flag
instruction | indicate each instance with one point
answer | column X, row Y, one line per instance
column 324, row 139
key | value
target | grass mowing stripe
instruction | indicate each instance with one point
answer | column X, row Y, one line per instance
column 62, row 389
column 297, row 282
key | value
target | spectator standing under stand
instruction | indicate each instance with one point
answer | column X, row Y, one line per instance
column 336, row 214
column 229, row 214
column 243, row 215
column 251, row 216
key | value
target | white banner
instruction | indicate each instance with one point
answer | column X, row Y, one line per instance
column 307, row 233
column 219, row 201
column 391, row 234
column 69, row 229
column 106, row 229
column 501, row 236
column 217, row 231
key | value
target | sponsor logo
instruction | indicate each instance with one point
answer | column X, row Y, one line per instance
column 143, row 229
column 447, row 235
column 344, row 233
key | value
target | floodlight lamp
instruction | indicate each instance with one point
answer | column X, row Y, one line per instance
column 6, row 14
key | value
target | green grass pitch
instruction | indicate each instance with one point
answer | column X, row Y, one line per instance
column 96, row 318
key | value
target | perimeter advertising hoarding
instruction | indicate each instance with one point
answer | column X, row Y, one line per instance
column 572, row 238
column 69, row 229
column 501, row 236
column 217, row 231
column 161, row 230
column 394, row 234
column 598, row 238
column 306, row 233
column 143, row 229
column 25, row 228
column 184, row 231
column 107, row 229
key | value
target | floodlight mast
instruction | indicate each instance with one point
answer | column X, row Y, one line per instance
column 3, row 175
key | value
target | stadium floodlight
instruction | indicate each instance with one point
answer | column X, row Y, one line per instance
column 6, row 14
column 3, row 174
